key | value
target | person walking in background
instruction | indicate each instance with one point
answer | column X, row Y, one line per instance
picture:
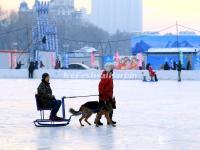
column 189, row 66
column 31, row 69
column 179, row 68
column 174, row 65
column 166, row 66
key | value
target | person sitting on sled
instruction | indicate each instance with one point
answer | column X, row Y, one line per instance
column 106, row 91
column 152, row 74
column 46, row 99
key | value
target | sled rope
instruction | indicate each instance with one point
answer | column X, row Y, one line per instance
column 80, row 96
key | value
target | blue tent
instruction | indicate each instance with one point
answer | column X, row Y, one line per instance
column 143, row 43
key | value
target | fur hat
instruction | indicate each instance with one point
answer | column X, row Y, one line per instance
column 109, row 67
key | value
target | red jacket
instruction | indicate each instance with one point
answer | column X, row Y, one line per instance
column 106, row 86
column 151, row 72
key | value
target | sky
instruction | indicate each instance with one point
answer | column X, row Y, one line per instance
column 157, row 14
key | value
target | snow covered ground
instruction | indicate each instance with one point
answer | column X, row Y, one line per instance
column 150, row 116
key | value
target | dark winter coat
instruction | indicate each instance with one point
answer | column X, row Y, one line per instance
column 45, row 93
column 106, row 86
column 179, row 66
column 31, row 67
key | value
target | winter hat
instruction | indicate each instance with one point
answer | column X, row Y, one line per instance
column 44, row 76
column 109, row 67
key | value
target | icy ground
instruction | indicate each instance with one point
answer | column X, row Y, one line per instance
column 150, row 116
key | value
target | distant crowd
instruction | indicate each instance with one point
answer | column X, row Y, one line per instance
column 166, row 66
column 34, row 65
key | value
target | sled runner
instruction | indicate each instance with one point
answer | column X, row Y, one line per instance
column 49, row 123
column 145, row 78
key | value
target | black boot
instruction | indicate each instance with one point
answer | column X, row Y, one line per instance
column 113, row 122
column 156, row 79
column 111, row 115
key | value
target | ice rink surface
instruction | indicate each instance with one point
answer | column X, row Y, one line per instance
column 150, row 116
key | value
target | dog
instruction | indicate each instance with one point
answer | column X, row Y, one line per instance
column 92, row 107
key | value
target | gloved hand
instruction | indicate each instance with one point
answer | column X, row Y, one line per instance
column 110, row 99
column 113, row 103
column 52, row 97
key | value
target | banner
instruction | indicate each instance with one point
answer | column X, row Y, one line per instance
column 92, row 61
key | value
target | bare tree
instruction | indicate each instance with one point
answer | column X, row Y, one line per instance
column 72, row 33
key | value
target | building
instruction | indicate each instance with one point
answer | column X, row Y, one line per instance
column 23, row 6
column 64, row 8
column 61, row 8
column 121, row 15
column 165, row 48
column 25, row 13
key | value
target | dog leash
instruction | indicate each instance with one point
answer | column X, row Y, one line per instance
column 80, row 96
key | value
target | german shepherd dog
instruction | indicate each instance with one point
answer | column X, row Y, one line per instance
column 92, row 107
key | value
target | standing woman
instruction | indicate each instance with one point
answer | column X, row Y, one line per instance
column 106, row 91
column 179, row 68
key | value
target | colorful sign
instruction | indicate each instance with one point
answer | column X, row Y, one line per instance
column 127, row 63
